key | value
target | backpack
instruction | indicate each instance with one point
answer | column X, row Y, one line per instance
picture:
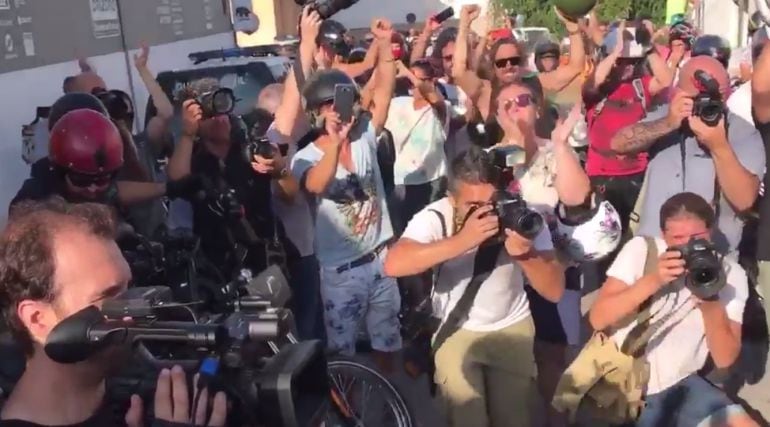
column 638, row 91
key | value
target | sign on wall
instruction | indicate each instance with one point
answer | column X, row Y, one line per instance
column 34, row 33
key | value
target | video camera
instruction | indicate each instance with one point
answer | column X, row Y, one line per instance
column 326, row 8
column 708, row 104
column 269, row 383
column 705, row 276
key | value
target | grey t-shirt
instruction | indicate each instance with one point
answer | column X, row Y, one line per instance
column 668, row 174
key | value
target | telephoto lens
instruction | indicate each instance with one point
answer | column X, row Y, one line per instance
column 514, row 214
column 326, row 8
column 217, row 102
column 705, row 276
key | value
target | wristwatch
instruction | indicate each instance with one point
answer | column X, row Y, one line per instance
column 283, row 173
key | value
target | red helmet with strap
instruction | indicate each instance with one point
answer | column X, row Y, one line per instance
column 86, row 142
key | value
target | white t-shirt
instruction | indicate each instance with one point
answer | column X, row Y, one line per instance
column 296, row 218
column 418, row 136
column 501, row 300
column 678, row 348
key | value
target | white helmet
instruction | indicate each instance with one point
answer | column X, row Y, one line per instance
column 579, row 136
column 588, row 233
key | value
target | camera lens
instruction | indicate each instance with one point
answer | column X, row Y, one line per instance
column 703, row 276
column 223, row 101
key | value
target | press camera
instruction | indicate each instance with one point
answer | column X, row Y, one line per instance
column 271, row 379
column 705, row 276
column 708, row 104
column 513, row 213
column 326, row 8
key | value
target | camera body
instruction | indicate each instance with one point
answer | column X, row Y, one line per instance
column 513, row 213
column 326, row 8
column 708, row 104
column 705, row 276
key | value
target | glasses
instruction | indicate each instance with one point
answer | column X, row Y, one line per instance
column 522, row 101
column 513, row 61
column 83, row 180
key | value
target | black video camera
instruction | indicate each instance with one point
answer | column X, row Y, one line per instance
column 705, row 276
column 216, row 102
column 326, row 8
column 513, row 213
column 708, row 104
column 268, row 382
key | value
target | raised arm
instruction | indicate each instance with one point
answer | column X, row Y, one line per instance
column 289, row 112
column 386, row 74
column 158, row 126
column 559, row 78
column 572, row 183
column 421, row 46
column 466, row 78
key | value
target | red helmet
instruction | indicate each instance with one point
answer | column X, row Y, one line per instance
column 86, row 142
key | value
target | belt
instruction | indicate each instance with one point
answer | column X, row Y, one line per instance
column 366, row 259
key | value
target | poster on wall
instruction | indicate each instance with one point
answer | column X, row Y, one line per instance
column 105, row 18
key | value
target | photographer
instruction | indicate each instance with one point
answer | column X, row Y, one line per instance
column 698, row 146
column 339, row 172
column 56, row 259
column 485, row 362
column 685, row 328
column 237, row 207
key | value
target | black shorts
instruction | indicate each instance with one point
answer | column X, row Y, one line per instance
column 545, row 314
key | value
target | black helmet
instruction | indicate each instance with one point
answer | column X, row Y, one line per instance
column 713, row 46
column 547, row 49
column 332, row 35
column 74, row 101
column 319, row 87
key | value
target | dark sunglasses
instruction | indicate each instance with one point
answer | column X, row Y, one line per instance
column 522, row 101
column 83, row 180
column 514, row 61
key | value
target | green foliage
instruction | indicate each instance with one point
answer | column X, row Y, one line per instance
column 539, row 13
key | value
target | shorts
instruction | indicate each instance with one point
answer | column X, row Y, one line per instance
column 359, row 294
column 692, row 402
column 557, row 323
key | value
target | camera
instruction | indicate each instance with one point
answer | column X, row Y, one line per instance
column 216, row 102
column 326, row 8
column 705, row 277
column 118, row 104
column 270, row 378
column 513, row 213
column 257, row 124
column 708, row 104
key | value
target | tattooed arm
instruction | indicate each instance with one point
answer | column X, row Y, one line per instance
column 640, row 136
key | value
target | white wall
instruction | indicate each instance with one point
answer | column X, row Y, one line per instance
column 23, row 91
column 722, row 17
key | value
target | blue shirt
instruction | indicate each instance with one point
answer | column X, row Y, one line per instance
column 351, row 216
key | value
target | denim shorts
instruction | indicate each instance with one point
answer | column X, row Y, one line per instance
column 692, row 402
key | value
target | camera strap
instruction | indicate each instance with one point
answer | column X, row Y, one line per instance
column 483, row 265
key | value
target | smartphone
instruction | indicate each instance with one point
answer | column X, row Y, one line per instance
column 344, row 98
column 444, row 15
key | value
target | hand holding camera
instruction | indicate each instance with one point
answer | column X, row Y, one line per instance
column 192, row 114
column 172, row 403
column 710, row 136
column 517, row 245
column 681, row 109
column 267, row 159
column 480, row 225
column 309, row 27
column 698, row 260
column 670, row 267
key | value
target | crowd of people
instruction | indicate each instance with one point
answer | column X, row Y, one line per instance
column 398, row 176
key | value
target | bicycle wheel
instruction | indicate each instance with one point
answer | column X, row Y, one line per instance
column 361, row 397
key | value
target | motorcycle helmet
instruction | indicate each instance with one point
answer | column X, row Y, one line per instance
column 545, row 50
column 74, row 101
column 587, row 233
column 319, row 90
column 86, row 142
column 714, row 46
column 332, row 36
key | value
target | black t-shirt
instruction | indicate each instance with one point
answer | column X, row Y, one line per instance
column 763, row 246
column 252, row 190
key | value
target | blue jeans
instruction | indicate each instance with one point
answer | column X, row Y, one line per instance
column 306, row 298
column 692, row 402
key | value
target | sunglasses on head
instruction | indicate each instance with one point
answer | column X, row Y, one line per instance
column 83, row 180
column 522, row 101
column 513, row 61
